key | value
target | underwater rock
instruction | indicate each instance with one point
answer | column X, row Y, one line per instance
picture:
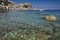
column 46, row 17
column 55, row 25
column 50, row 18
column 53, row 18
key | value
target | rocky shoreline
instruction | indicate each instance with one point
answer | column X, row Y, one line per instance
column 14, row 6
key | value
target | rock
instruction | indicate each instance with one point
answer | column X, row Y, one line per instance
column 3, row 9
column 47, row 18
column 53, row 18
column 55, row 25
column 50, row 18
column 27, row 5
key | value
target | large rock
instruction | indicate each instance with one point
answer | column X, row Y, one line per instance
column 3, row 9
column 27, row 5
column 50, row 18
column 46, row 18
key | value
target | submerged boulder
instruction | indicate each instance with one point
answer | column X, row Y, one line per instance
column 50, row 18
column 46, row 18
column 53, row 18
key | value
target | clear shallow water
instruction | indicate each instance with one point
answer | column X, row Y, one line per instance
column 27, row 21
column 28, row 17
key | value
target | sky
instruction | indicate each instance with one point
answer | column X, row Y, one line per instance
column 41, row 4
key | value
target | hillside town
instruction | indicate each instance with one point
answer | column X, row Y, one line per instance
column 6, row 5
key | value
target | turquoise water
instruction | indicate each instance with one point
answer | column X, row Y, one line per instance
column 28, row 17
column 32, row 20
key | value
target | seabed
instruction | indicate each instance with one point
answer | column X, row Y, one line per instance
column 27, row 25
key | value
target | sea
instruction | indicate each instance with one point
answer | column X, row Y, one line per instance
column 22, row 21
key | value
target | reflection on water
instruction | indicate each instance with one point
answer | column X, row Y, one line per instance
column 28, row 25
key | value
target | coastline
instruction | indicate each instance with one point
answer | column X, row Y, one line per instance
column 14, row 6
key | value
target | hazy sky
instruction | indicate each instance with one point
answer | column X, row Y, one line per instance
column 45, row 4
